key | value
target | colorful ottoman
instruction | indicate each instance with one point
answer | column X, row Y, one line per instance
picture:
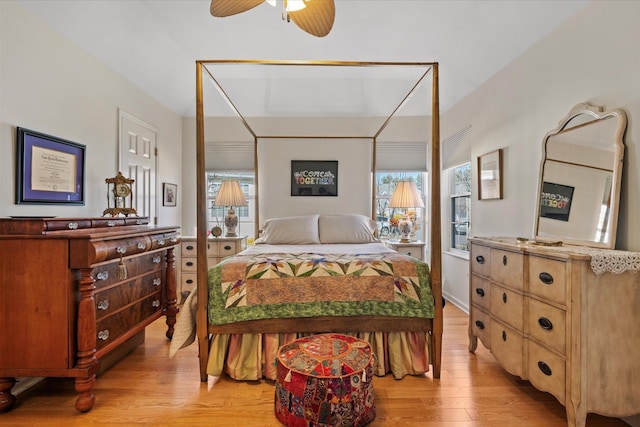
column 325, row 380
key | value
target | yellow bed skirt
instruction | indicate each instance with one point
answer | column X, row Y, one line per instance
column 253, row 356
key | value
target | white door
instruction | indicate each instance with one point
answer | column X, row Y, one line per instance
column 138, row 157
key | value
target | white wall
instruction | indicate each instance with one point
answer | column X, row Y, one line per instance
column 595, row 57
column 50, row 85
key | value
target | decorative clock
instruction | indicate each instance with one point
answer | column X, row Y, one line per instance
column 119, row 196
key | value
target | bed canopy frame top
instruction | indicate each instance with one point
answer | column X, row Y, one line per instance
column 324, row 90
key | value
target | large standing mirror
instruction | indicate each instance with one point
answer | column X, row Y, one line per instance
column 580, row 174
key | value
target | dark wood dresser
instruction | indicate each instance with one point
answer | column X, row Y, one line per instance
column 74, row 290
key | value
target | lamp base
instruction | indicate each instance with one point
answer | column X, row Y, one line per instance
column 405, row 226
column 230, row 223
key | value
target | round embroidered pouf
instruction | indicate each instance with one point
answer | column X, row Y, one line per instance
column 325, row 380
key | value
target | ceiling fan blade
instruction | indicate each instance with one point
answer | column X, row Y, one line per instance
column 222, row 8
column 317, row 18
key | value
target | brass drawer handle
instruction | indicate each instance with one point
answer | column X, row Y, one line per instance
column 103, row 275
column 479, row 324
column 546, row 369
column 103, row 305
column 103, row 335
column 545, row 323
column 72, row 225
column 157, row 281
column 546, row 278
column 480, row 259
column 504, row 260
column 504, row 297
column 156, row 259
column 480, row 292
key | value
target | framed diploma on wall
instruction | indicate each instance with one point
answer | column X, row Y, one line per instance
column 49, row 170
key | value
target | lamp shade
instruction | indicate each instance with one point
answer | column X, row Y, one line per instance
column 230, row 194
column 406, row 195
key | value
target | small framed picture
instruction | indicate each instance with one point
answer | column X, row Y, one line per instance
column 169, row 194
column 490, row 175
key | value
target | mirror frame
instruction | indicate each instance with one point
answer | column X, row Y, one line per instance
column 593, row 113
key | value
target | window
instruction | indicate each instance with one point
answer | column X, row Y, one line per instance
column 245, row 213
column 386, row 217
column 460, row 193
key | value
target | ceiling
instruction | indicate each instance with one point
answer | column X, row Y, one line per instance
column 154, row 43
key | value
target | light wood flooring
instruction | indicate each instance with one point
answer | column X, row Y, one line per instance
column 149, row 389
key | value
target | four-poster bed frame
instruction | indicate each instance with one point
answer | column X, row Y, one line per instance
column 326, row 323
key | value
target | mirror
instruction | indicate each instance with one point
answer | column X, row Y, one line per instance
column 580, row 174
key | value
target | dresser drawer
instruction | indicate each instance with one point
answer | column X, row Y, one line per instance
column 188, row 249
column 113, row 299
column 547, row 371
column 111, row 327
column 480, row 257
column 189, row 264
column 480, row 291
column 163, row 240
column 547, row 325
column 188, row 281
column 547, row 279
column 481, row 326
column 507, row 346
column 507, row 268
column 507, row 306
column 222, row 249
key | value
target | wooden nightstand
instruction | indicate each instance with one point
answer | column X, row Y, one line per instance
column 217, row 249
column 414, row 249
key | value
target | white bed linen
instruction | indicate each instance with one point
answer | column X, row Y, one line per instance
column 325, row 248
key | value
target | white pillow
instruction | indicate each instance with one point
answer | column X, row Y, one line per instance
column 348, row 228
column 292, row 230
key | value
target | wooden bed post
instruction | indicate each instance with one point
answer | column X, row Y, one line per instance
column 201, row 223
column 436, row 229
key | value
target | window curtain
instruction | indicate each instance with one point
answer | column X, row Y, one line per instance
column 401, row 156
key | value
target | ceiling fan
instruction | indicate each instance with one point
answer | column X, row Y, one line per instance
column 313, row 16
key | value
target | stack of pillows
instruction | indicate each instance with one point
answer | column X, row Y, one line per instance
column 315, row 229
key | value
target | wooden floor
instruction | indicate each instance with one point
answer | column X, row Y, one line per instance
column 149, row 389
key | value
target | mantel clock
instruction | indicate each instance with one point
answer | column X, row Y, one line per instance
column 119, row 196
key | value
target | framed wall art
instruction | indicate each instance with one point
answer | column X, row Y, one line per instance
column 314, row 177
column 169, row 194
column 490, row 175
column 49, row 170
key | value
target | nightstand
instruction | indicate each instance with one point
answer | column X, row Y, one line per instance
column 414, row 249
column 217, row 249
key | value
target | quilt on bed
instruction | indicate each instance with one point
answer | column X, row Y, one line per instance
column 267, row 286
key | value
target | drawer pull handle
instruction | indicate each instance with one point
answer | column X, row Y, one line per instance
column 545, row 368
column 480, row 259
column 103, row 275
column 121, row 249
column 479, row 324
column 173, row 239
column 545, row 323
column 161, row 242
column 189, row 281
column 103, row 305
column 157, row 281
column 156, row 259
column 480, row 291
column 504, row 260
column 504, row 335
column 111, row 223
column 155, row 303
column 139, row 222
column 227, row 248
column 504, row 297
column 142, row 246
column 189, row 248
column 189, row 263
column 72, row 225
column 103, row 335
column 546, row 278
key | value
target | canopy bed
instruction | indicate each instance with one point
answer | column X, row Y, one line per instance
column 314, row 80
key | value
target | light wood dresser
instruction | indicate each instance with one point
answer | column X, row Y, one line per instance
column 549, row 318
column 75, row 291
column 217, row 249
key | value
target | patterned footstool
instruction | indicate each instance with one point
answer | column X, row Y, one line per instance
column 325, row 380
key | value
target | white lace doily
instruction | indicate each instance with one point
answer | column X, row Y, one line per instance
column 603, row 261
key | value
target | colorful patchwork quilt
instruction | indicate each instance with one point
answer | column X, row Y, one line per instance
column 284, row 285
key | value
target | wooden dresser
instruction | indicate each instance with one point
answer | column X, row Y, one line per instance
column 547, row 317
column 217, row 249
column 75, row 290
